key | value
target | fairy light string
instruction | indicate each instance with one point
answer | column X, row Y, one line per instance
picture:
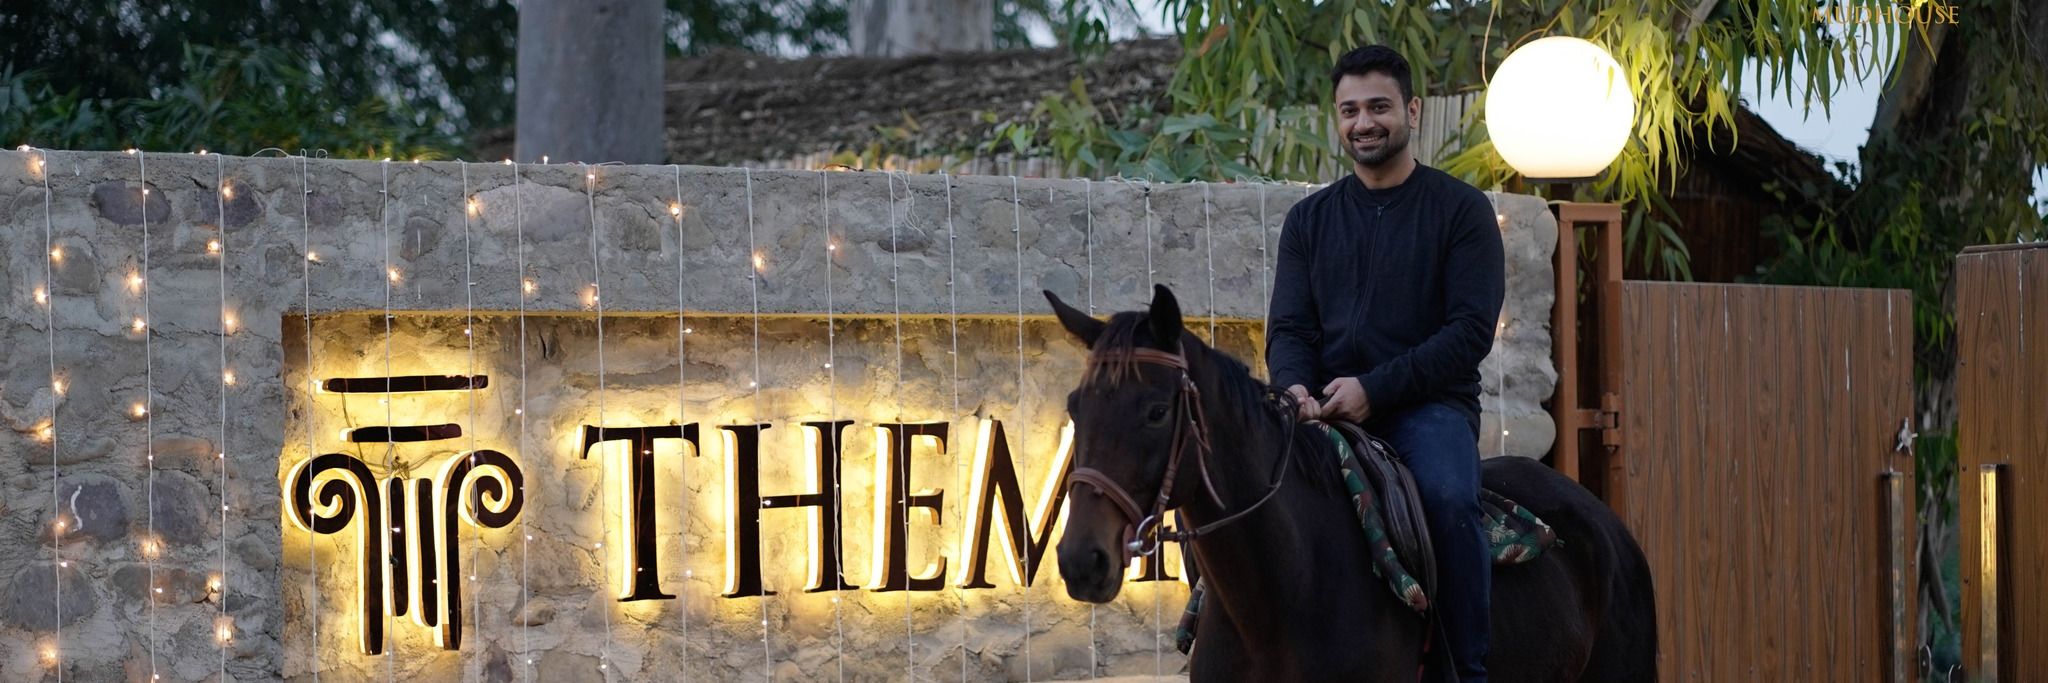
column 597, row 301
column 312, row 448
column 223, row 629
column 151, row 545
column 53, row 655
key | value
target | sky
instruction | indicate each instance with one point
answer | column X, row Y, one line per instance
column 1835, row 134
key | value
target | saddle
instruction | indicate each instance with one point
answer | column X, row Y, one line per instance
column 1390, row 513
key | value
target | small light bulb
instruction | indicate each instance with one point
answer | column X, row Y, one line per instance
column 688, row 330
column 65, row 563
column 675, row 210
column 140, row 410
column 465, row 332
column 508, row 161
column 228, row 378
column 415, row 160
column 60, row 525
column 57, row 255
column 44, row 434
column 131, row 151
column 518, row 411
column 227, row 191
column 213, row 246
column 543, row 158
column 393, row 274
column 313, row 256
column 213, row 582
column 134, row 280
column 228, row 322
column 42, row 296
column 475, row 207
column 138, row 325
column 760, row 263
column 832, row 247
column 202, row 151
column 145, row 192
column 528, row 285
column 590, row 176
column 58, row 386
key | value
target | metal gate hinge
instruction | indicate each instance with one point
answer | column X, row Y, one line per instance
column 1608, row 419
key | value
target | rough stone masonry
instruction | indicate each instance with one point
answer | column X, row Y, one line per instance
column 920, row 292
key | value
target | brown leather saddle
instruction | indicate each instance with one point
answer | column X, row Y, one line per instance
column 1400, row 502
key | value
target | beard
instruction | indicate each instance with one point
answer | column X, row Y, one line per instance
column 1397, row 140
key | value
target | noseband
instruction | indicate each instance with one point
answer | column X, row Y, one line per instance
column 1189, row 425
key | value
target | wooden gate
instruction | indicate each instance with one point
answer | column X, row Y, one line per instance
column 1750, row 437
column 2002, row 459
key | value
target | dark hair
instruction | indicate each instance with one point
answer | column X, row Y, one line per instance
column 1370, row 59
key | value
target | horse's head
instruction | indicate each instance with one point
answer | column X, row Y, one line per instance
column 1135, row 423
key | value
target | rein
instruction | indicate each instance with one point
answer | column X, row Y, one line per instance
column 1189, row 425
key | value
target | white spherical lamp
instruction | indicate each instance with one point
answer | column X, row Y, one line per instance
column 1559, row 108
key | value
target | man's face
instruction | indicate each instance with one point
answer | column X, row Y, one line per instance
column 1373, row 120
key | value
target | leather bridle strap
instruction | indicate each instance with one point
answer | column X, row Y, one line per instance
column 1189, row 424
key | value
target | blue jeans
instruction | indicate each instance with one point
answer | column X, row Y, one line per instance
column 1440, row 446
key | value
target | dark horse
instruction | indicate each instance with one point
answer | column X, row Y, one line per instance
column 1290, row 592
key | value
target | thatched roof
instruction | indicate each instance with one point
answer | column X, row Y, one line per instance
column 727, row 108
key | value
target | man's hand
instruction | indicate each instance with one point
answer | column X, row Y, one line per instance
column 1347, row 400
column 1306, row 407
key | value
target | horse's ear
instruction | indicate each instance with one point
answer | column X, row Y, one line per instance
column 1165, row 318
column 1083, row 326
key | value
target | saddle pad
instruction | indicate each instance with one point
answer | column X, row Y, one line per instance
column 1514, row 534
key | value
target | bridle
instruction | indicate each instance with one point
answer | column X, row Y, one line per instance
column 1189, row 426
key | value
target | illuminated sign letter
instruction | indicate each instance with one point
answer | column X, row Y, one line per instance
column 640, row 555
column 410, row 564
column 994, row 478
column 414, row 565
column 744, row 504
column 893, row 447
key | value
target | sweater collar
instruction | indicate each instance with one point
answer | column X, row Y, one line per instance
column 1383, row 198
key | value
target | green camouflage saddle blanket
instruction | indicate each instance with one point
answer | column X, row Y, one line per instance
column 1396, row 539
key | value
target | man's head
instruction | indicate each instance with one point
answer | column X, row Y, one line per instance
column 1376, row 105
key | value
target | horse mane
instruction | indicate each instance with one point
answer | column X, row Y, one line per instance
column 1253, row 400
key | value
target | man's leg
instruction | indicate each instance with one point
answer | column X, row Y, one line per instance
column 1441, row 451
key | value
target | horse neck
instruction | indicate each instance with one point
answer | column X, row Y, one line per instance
column 1257, row 565
column 1245, row 447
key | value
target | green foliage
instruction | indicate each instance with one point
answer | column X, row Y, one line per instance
column 232, row 101
column 806, row 26
column 1252, row 92
column 419, row 73
column 452, row 58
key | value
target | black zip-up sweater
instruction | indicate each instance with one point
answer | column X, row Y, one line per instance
column 1399, row 287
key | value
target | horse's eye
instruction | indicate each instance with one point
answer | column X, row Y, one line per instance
column 1157, row 415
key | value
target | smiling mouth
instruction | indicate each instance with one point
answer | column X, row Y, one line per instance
column 1368, row 139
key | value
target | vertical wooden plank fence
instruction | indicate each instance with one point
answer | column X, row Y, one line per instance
column 1751, row 438
column 2002, row 459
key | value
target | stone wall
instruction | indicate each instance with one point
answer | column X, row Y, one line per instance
column 891, row 281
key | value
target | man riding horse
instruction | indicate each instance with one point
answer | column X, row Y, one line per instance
column 1386, row 293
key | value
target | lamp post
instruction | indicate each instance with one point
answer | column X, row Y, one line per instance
column 1559, row 110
